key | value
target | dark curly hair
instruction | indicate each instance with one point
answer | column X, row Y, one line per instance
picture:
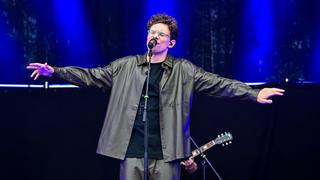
column 165, row 19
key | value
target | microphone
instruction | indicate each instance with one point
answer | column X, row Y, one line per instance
column 152, row 43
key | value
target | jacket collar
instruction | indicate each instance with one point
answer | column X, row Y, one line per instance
column 168, row 62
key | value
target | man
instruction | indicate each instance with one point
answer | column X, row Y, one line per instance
column 172, row 84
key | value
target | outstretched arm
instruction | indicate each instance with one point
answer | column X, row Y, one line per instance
column 214, row 85
column 266, row 93
column 94, row 77
column 40, row 69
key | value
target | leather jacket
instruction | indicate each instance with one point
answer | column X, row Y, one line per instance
column 126, row 77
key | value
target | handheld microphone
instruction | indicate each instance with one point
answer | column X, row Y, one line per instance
column 152, row 43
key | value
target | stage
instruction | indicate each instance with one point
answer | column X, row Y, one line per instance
column 52, row 133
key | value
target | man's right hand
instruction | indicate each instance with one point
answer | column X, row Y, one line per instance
column 40, row 69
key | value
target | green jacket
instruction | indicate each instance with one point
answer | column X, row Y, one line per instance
column 126, row 77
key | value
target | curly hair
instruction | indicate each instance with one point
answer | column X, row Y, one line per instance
column 165, row 19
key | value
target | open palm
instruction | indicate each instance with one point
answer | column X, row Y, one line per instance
column 265, row 94
column 40, row 69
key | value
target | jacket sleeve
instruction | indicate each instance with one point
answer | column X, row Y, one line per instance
column 93, row 77
column 215, row 85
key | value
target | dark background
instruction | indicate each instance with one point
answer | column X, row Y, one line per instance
column 249, row 40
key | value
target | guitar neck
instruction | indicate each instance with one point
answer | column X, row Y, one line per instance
column 202, row 149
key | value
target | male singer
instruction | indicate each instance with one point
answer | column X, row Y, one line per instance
column 172, row 84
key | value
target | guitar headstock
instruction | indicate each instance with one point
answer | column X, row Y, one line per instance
column 223, row 138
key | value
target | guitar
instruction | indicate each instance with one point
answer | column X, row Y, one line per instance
column 224, row 139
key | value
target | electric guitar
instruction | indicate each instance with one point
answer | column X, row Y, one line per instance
column 224, row 139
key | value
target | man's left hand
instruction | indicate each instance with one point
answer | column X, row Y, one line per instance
column 266, row 93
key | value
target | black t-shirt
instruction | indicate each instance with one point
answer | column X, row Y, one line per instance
column 136, row 144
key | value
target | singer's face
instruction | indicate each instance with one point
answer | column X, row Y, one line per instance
column 162, row 33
